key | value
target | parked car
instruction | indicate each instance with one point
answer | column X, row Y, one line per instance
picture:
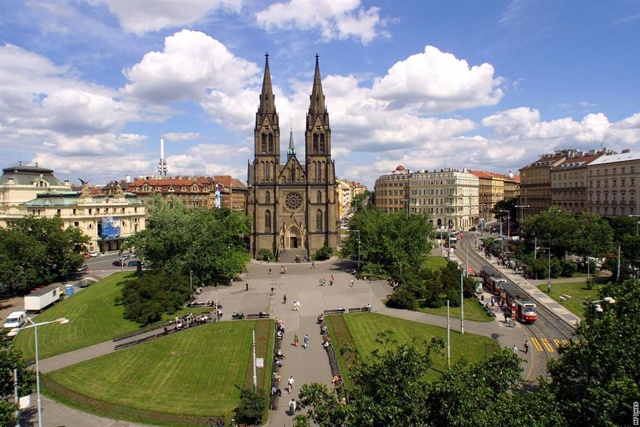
column 83, row 268
column 118, row 263
column 133, row 263
column 93, row 254
column 15, row 319
column 87, row 255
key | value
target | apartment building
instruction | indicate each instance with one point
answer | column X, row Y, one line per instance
column 392, row 191
column 613, row 185
column 535, row 182
column 450, row 197
column 569, row 180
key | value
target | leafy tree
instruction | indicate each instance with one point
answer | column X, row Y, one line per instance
column 36, row 251
column 209, row 244
column 402, row 298
column 11, row 359
column 323, row 253
column 394, row 242
column 252, row 407
column 151, row 294
column 598, row 376
column 265, row 255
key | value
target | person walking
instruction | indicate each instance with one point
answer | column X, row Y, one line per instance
column 526, row 346
column 247, row 287
column 313, row 265
column 305, row 341
column 284, row 299
column 351, row 283
column 290, row 382
column 515, row 349
column 292, row 407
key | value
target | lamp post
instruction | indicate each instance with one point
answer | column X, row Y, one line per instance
column 521, row 216
column 596, row 304
column 548, row 249
column 62, row 321
column 358, row 231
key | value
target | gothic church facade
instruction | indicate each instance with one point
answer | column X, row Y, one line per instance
column 293, row 205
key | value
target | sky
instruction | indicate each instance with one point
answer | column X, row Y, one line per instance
column 87, row 87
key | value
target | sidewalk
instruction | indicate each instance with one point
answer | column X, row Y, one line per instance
column 301, row 283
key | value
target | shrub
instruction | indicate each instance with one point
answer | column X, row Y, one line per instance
column 252, row 407
column 265, row 255
column 402, row 299
column 323, row 253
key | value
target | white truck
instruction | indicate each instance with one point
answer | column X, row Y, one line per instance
column 42, row 298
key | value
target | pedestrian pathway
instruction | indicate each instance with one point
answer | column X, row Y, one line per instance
column 266, row 291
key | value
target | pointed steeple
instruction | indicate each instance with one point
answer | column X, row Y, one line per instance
column 316, row 106
column 267, row 99
column 291, row 151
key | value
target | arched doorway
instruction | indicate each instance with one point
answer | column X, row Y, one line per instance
column 293, row 238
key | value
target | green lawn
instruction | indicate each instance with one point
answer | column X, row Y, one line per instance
column 577, row 291
column 199, row 372
column 434, row 262
column 363, row 328
column 93, row 318
column 473, row 310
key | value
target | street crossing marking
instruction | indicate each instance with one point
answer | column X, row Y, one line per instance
column 558, row 342
column 547, row 344
column 536, row 344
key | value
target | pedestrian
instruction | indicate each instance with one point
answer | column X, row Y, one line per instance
column 313, row 264
column 292, row 407
column 515, row 349
column 351, row 283
column 247, row 287
column 284, row 299
column 526, row 346
column 295, row 306
column 505, row 317
column 269, row 271
column 290, row 382
column 272, row 290
column 305, row 341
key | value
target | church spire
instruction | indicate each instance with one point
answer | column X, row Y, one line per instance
column 316, row 105
column 291, row 152
column 267, row 100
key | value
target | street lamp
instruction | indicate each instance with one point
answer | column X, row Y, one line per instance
column 358, row 231
column 521, row 216
column 596, row 304
column 62, row 321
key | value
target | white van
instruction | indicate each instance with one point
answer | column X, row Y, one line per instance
column 15, row 319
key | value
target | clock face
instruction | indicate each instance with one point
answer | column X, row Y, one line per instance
column 293, row 201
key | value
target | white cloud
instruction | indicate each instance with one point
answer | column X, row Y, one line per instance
column 181, row 136
column 435, row 82
column 191, row 64
column 142, row 16
column 336, row 19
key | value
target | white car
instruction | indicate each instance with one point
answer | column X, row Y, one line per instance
column 15, row 319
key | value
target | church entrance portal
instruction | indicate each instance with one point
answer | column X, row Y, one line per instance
column 293, row 244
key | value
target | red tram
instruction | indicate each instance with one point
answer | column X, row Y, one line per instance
column 520, row 307
column 492, row 279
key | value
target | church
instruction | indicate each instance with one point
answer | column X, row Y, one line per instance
column 294, row 205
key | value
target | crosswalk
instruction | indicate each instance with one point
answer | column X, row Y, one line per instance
column 544, row 344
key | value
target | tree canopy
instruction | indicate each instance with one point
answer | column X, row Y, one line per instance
column 38, row 251
column 209, row 244
column 387, row 243
column 11, row 359
column 597, row 378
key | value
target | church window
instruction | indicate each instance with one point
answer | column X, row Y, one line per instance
column 270, row 143
column 267, row 197
column 264, row 143
column 318, row 171
column 267, row 171
column 319, row 221
column 315, row 143
column 322, row 148
column 319, row 197
column 267, row 221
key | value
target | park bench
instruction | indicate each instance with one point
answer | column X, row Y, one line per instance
column 360, row 310
column 257, row 316
column 335, row 311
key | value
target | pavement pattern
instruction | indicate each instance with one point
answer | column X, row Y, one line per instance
column 302, row 283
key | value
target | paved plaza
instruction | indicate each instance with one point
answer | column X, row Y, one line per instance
column 302, row 283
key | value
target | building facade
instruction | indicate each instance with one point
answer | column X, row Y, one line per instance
column 569, row 181
column 293, row 205
column 535, row 182
column 391, row 191
column 449, row 197
column 613, row 185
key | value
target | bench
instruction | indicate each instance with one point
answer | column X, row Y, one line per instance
column 360, row 310
column 336, row 311
column 257, row 316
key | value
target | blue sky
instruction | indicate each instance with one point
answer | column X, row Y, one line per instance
column 87, row 87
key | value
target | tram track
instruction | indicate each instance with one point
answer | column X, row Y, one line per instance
column 547, row 334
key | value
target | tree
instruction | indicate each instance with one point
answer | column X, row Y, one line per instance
column 11, row 359
column 252, row 407
column 598, row 376
column 151, row 294
column 36, row 251
column 208, row 244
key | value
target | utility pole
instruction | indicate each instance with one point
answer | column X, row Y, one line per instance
column 462, row 304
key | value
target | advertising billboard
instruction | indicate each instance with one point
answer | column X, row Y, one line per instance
column 110, row 227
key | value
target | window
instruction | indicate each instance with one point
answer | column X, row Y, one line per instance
column 267, row 221
column 263, row 145
column 319, row 221
column 319, row 196
column 267, row 197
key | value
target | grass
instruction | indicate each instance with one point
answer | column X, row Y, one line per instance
column 93, row 318
column 199, row 372
column 434, row 263
column 577, row 291
column 473, row 310
column 362, row 329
